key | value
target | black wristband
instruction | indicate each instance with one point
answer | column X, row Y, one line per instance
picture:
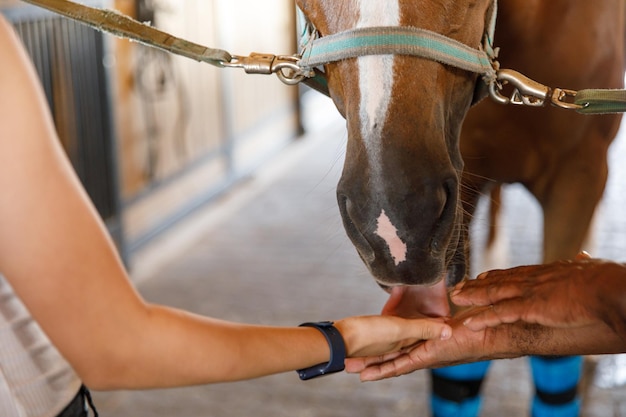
column 337, row 352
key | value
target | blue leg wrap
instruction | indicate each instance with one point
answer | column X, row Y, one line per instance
column 456, row 389
column 445, row 408
column 556, row 383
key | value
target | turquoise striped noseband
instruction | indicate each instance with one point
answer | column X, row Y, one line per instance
column 319, row 50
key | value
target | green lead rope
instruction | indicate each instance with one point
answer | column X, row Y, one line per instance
column 597, row 101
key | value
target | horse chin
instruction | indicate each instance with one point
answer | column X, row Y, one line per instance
column 431, row 300
column 413, row 301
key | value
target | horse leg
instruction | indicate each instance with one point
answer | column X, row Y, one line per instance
column 494, row 210
column 495, row 254
column 569, row 204
column 455, row 390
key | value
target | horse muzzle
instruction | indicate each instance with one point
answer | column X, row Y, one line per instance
column 406, row 240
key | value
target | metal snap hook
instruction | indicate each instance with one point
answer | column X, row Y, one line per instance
column 564, row 99
column 288, row 70
column 286, row 67
column 525, row 91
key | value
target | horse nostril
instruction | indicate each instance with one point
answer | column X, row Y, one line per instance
column 351, row 223
column 445, row 224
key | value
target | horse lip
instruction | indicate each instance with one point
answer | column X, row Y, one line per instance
column 388, row 288
column 447, row 276
column 385, row 287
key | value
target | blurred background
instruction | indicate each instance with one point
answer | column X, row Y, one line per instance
column 154, row 136
column 219, row 190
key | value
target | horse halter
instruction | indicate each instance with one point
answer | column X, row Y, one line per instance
column 317, row 50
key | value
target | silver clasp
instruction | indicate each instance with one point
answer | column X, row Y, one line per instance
column 565, row 99
column 528, row 92
column 285, row 67
column 525, row 91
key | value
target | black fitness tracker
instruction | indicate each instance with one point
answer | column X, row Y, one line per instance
column 337, row 352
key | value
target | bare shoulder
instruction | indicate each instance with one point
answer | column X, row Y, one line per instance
column 7, row 34
column 13, row 57
column 16, row 66
column 21, row 101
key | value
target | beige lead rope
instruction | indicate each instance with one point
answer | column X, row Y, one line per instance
column 286, row 67
column 125, row 27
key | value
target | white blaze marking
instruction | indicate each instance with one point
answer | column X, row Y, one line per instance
column 375, row 79
column 375, row 86
column 388, row 232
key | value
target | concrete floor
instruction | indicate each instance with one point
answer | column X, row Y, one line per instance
column 274, row 252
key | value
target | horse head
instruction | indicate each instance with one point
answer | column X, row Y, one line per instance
column 399, row 190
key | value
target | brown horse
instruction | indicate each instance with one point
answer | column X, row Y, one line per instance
column 404, row 195
column 399, row 191
column 559, row 156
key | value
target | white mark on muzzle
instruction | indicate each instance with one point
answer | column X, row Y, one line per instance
column 388, row 232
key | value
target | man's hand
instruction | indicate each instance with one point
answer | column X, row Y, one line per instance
column 561, row 294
